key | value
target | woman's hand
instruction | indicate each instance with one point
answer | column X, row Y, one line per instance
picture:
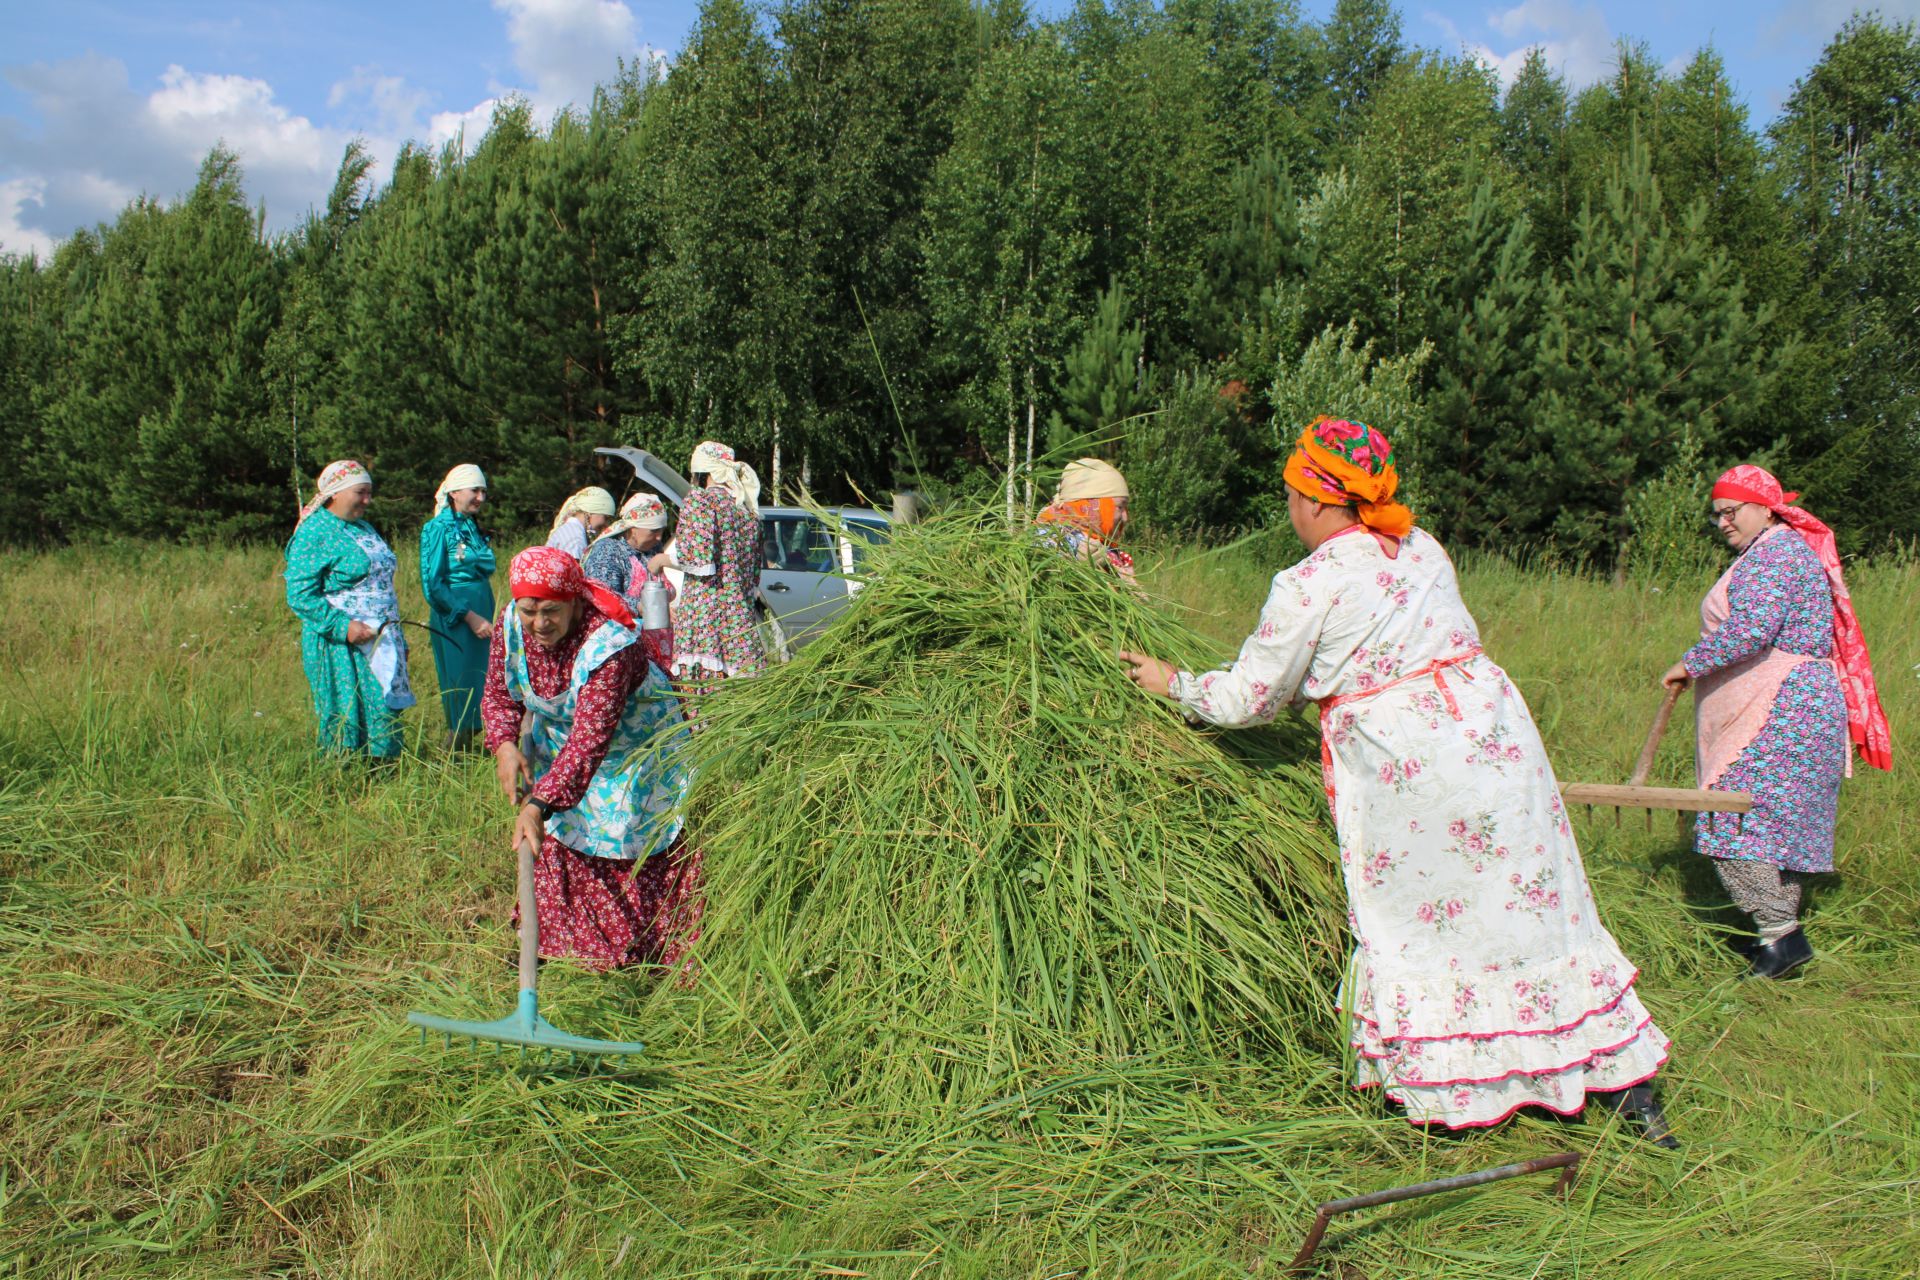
column 359, row 632
column 516, row 779
column 658, row 562
column 481, row 628
column 530, row 827
column 1150, row 674
column 1676, row 677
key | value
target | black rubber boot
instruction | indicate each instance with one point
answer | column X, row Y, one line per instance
column 1640, row 1108
column 1779, row 958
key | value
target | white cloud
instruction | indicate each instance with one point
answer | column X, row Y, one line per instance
column 100, row 142
column 15, row 194
column 387, row 104
column 1575, row 39
column 565, row 47
column 469, row 125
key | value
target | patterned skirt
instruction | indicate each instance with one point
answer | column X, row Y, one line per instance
column 1793, row 771
column 605, row 913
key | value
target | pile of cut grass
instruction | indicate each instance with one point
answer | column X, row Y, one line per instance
column 954, row 843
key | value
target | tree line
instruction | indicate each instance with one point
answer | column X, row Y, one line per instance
column 929, row 243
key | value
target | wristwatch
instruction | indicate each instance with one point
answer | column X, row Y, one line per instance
column 546, row 810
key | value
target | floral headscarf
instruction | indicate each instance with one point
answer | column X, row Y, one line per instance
column 1350, row 464
column 643, row 511
column 548, row 573
column 335, row 477
column 1866, row 719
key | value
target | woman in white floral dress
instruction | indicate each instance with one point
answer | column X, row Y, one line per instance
column 1482, row 979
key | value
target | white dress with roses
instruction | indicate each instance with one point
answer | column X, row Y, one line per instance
column 1482, row 979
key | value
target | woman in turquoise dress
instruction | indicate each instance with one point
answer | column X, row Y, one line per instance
column 456, row 576
column 340, row 585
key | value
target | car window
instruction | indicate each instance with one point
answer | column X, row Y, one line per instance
column 799, row 544
column 865, row 534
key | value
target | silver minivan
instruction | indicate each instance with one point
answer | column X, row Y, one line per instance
column 810, row 560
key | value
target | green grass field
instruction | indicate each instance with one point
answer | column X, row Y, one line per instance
column 210, row 938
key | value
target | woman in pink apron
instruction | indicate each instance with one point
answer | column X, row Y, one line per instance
column 1783, row 691
column 1482, row 978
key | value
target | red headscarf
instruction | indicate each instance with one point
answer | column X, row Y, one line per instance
column 1866, row 720
column 548, row 573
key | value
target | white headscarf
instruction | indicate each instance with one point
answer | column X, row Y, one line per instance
column 591, row 501
column 464, row 476
column 737, row 478
column 643, row 511
column 335, row 477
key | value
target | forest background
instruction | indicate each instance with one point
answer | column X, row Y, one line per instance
column 931, row 243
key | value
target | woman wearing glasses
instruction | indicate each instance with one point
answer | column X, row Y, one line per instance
column 1783, row 694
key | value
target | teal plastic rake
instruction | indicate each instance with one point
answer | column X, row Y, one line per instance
column 524, row 1026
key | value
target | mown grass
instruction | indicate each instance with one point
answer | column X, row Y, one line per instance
column 210, row 938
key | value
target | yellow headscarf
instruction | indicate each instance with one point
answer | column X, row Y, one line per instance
column 590, row 501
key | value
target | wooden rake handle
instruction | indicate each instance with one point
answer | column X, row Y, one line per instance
column 1644, row 765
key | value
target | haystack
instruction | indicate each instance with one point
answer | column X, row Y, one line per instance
column 951, row 842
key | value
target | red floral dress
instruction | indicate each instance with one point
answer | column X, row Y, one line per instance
column 603, row 912
column 716, row 627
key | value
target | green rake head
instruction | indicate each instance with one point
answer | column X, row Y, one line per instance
column 524, row 1027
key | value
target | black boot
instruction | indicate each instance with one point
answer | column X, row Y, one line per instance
column 1780, row 957
column 1640, row 1108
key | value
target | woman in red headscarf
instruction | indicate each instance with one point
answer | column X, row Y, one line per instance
column 586, row 732
column 1783, row 694
column 1482, row 979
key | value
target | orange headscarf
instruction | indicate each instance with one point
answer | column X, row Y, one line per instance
column 1349, row 464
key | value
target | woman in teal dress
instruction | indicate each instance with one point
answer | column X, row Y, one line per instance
column 456, row 576
column 340, row 585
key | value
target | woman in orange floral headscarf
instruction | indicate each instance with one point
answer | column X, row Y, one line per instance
column 1482, row 980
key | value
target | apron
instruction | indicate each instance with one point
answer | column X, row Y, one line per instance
column 1731, row 705
column 372, row 601
column 1436, row 669
column 632, row 805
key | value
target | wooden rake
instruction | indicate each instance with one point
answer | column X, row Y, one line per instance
column 1637, row 795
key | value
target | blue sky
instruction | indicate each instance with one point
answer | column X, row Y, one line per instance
column 103, row 100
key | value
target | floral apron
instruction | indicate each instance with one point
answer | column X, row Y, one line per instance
column 372, row 601
column 632, row 806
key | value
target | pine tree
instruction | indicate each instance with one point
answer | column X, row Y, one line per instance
column 162, row 403
column 1479, row 464
column 1107, row 382
column 1648, row 336
column 1245, row 261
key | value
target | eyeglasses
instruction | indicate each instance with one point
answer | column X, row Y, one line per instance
column 1718, row 516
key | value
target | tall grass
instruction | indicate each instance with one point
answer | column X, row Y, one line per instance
column 209, row 938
